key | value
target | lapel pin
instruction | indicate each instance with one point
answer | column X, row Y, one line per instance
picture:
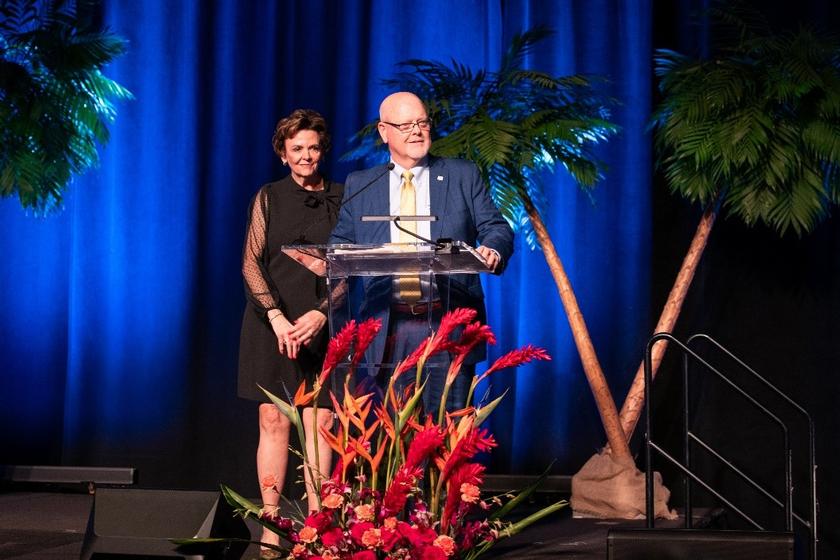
column 440, row 177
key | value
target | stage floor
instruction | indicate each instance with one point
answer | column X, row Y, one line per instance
column 51, row 526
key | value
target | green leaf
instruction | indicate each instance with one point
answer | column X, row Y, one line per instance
column 288, row 410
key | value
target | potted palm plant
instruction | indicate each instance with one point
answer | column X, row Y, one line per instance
column 55, row 103
column 753, row 132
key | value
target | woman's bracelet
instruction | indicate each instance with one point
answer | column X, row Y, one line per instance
column 272, row 319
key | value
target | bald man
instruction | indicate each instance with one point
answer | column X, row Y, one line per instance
column 451, row 190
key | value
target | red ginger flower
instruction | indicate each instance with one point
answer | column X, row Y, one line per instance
column 466, row 473
column 473, row 334
column 448, row 323
column 412, row 359
column 366, row 332
column 337, row 349
column 474, row 440
column 401, row 486
column 424, row 444
column 516, row 358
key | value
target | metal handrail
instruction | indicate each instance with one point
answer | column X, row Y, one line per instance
column 685, row 466
column 811, row 523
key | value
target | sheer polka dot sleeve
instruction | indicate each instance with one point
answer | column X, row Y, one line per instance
column 258, row 286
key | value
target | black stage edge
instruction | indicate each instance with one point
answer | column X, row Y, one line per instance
column 51, row 526
column 68, row 475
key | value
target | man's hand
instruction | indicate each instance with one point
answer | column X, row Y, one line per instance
column 490, row 256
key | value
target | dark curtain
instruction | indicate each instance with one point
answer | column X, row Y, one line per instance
column 119, row 316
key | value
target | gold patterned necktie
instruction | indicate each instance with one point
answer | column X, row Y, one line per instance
column 409, row 286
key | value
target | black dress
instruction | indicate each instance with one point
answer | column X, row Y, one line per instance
column 283, row 213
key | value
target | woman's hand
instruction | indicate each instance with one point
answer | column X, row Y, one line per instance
column 286, row 343
column 307, row 326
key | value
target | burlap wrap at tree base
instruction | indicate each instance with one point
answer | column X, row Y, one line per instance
column 607, row 489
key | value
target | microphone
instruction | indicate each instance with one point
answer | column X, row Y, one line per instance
column 388, row 169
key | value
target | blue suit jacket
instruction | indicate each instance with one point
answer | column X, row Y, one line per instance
column 465, row 213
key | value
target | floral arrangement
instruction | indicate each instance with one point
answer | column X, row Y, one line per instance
column 406, row 485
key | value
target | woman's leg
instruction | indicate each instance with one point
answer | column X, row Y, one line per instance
column 272, row 458
column 324, row 464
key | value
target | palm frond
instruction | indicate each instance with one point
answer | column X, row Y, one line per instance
column 760, row 121
column 514, row 124
column 55, row 103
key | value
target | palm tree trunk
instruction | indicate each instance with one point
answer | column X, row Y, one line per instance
column 635, row 401
column 591, row 367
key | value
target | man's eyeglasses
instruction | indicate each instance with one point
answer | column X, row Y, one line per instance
column 406, row 127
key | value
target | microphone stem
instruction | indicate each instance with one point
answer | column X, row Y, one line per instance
column 412, row 234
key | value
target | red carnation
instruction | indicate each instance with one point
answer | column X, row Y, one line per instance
column 332, row 537
column 320, row 520
column 419, row 537
column 364, row 555
column 433, row 553
column 358, row 530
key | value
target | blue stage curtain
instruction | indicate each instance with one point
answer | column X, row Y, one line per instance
column 120, row 315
